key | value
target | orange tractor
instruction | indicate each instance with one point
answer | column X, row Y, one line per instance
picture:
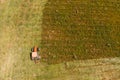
column 34, row 54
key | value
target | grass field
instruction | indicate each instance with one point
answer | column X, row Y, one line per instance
column 80, row 29
column 20, row 27
column 72, row 36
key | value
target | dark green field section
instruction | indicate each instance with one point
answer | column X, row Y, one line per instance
column 80, row 29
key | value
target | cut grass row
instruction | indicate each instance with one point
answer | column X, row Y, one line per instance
column 24, row 30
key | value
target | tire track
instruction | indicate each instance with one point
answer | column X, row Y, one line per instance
column 93, row 69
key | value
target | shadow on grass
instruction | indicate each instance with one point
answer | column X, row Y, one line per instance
column 30, row 55
column 72, row 30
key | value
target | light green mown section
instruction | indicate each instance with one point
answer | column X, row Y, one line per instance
column 96, row 69
column 20, row 30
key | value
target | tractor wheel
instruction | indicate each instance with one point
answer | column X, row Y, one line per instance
column 32, row 49
column 38, row 49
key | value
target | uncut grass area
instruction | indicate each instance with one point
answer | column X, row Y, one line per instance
column 80, row 29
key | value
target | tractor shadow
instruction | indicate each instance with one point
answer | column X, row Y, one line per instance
column 30, row 55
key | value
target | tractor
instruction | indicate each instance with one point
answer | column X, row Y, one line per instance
column 34, row 54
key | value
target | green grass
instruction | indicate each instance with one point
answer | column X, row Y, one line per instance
column 20, row 30
column 70, row 31
column 80, row 30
